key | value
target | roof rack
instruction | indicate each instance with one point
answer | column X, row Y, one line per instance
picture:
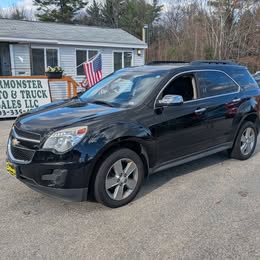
column 156, row 62
column 222, row 62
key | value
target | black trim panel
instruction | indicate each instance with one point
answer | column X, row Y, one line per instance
column 190, row 158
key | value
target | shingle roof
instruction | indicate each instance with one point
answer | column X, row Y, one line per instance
column 61, row 33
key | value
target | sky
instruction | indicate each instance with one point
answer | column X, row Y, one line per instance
column 6, row 3
column 27, row 4
column 9, row 3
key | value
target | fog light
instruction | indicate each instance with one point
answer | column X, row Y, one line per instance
column 57, row 178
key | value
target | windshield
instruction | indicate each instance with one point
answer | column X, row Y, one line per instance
column 123, row 89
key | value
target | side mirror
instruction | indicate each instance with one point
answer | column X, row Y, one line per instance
column 171, row 100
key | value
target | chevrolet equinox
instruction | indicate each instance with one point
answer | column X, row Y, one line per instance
column 135, row 122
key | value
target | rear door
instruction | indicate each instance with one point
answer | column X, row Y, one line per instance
column 221, row 98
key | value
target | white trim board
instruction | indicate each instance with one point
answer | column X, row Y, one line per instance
column 75, row 43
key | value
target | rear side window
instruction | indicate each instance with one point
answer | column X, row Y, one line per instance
column 213, row 83
column 244, row 79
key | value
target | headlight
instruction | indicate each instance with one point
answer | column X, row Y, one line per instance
column 65, row 139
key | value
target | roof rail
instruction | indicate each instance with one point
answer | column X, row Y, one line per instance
column 222, row 62
column 157, row 62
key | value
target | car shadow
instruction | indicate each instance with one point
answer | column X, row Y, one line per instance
column 158, row 179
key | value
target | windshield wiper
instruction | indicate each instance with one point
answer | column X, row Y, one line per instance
column 100, row 102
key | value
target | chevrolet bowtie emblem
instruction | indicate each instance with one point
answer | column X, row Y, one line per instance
column 15, row 142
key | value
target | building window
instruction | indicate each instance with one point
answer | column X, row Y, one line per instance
column 52, row 57
column 83, row 56
column 42, row 58
column 122, row 60
column 5, row 63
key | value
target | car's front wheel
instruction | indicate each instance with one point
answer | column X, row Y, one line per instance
column 245, row 143
column 119, row 178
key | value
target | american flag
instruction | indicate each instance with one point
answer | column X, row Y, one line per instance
column 93, row 70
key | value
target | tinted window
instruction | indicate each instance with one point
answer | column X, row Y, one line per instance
column 213, row 83
column 244, row 79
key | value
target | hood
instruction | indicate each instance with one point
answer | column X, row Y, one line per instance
column 61, row 114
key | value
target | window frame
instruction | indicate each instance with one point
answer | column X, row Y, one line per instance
column 86, row 50
column 45, row 55
column 197, row 85
column 123, row 58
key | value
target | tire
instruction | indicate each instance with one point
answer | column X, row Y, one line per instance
column 112, row 187
column 238, row 151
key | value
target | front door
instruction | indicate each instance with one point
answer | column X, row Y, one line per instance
column 5, row 65
column 184, row 129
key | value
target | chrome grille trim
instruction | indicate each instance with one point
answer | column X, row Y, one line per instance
column 11, row 155
column 18, row 137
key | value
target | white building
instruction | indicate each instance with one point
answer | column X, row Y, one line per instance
column 27, row 48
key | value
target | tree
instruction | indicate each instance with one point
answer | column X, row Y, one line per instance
column 224, row 23
column 112, row 11
column 137, row 14
column 92, row 15
column 58, row 10
column 16, row 13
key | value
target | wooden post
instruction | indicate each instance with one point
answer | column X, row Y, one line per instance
column 74, row 88
column 69, row 89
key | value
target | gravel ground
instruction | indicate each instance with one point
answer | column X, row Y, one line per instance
column 207, row 209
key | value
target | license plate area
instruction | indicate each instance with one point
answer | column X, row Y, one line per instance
column 11, row 168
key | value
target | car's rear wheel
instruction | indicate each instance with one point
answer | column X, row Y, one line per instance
column 119, row 178
column 245, row 142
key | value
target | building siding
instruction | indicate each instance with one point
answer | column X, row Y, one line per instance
column 67, row 60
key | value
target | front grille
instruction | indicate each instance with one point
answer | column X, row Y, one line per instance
column 21, row 153
column 26, row 135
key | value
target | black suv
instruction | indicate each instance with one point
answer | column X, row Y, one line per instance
column 257, row 77
column 135, row 122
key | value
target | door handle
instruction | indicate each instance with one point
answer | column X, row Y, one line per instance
column 236, row 100
column 200, row 110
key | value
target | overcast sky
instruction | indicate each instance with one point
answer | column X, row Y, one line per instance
column 28, row 3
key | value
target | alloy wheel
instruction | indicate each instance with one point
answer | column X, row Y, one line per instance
column 121, row 179
column 248, row 139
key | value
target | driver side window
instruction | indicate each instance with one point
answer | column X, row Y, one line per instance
column 184, row 86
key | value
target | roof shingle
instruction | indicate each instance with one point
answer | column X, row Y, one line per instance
column 65, row 32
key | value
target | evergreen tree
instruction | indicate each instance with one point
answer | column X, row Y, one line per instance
column 58, row 10
column 138, row 13
column 112, row 11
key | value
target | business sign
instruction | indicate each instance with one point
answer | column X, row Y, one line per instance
column 20, row 95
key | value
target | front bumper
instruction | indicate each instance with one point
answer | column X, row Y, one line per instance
column 68, row 182
column 65, row 176
column 65, row 194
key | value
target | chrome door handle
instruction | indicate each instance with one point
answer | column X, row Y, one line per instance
column 236, row 100
column 200, row 110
